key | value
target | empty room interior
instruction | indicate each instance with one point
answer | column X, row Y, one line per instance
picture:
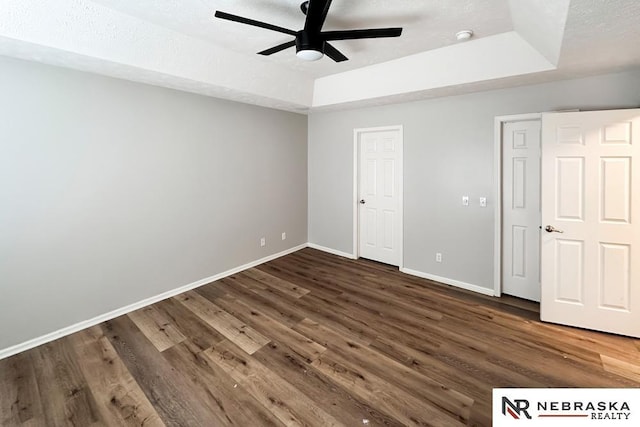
column 349, row 213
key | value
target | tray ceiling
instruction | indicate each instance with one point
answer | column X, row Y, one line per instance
column 179, row 44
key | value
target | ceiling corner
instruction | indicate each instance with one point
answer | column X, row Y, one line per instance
column 541, row 24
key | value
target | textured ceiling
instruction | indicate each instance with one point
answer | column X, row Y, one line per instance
column 601, row 35
column 427, row 25
column 179, row 44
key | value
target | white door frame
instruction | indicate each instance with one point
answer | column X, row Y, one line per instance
column 356, row 184
column 499, row 122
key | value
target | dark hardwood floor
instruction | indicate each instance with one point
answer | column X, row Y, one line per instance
column 308, row 339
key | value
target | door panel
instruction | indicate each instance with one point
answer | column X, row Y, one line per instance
column 371, row 178
column 389, row 178
column 570, row 188
column 519, row 183
column 590, row 269
column 370, row 224
column 521, row 209
column 519, row 257
column 615, row 194
column 389, row 220
column 379, row 218
column 569, row 271
column 614, row 276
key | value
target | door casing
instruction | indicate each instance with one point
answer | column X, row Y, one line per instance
column 356, row 184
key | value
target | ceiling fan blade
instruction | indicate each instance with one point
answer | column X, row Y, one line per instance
column 316, row 15
column 242, row 20
column 334, row 53
column 278, row 48
column 372, row 33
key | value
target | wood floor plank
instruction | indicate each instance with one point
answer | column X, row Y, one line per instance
column 334, row 399
column 200, row 334
column 371, row 323
column 426, row 362
column 376, row 291
column 395, row 402
column 322, row 310
column 283, row 311
column 434, row 393
column 623, row 368
column 282, row 285
column 542, row 368
column 572, row 342
column 19, row 397
column 287, row 403
column 166, row 388
column 156, row 327
column 475, row 363
column 302, row 277
column 273, row 330
column 118, row 396
column 232, row 403
column 229, row 326
column 273, row 297
column 64, row 393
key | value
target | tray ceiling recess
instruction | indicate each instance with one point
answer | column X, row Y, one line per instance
column 180, row 44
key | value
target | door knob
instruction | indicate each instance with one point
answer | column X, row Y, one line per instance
column 551, row 229
column 362, row 202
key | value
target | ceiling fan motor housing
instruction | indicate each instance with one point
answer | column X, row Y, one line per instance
column 309, row 41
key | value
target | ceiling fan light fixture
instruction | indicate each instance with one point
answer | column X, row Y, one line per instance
column 309, row 46
column 309, row 54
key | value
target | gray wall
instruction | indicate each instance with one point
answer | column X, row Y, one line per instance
column 448, row 153
column 112, row 192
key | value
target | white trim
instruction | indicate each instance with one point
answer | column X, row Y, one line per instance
column 356, row 162
column 498, row 124
column 331, row 251
column 356, row 158
column 458, row 284
column 18, row 348
column 401, row 197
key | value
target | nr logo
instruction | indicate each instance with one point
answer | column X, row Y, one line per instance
column 516, row 409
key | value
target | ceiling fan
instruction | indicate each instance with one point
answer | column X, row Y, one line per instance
column 311, row 42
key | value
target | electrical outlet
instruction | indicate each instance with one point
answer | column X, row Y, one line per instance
column 483, row 202
column 465, row 200
column 263, row 241
column 438, row 257
column 284, row 236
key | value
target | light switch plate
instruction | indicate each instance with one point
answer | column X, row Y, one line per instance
column 465, row 200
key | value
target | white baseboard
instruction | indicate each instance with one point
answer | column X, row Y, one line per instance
column 447, row 281
column 18, row 348
column 331, row 251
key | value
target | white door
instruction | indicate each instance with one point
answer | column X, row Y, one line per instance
column 521, row 209
column 590, row 261
column 379, row 201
